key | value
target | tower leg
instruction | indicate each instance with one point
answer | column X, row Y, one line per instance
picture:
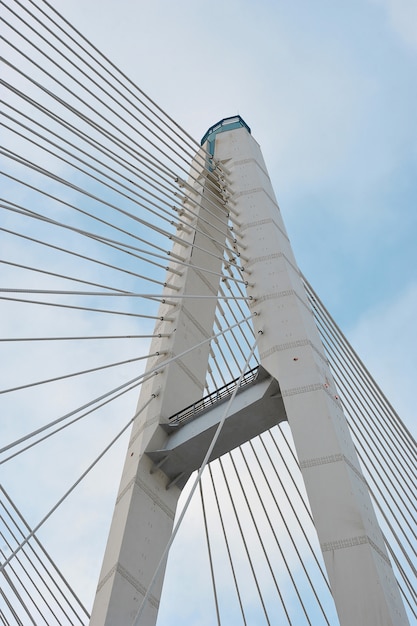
column 359, row 570
column 145, row 506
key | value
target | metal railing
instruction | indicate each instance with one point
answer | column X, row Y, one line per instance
column 227, row 123
column 213, row 398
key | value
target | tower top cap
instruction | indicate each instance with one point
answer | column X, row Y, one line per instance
column 227, row 123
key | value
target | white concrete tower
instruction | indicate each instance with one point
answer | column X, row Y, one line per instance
column 293, row 360
column 145, row 506
column 359, row 570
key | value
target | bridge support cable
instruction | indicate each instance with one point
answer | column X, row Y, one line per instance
column 224, row 356
column 36, row 574
column 116, row 76
column 73, row 374
column 166, row 220
column 97, row 106
column 27, row 591
column 386, row 449
column 166, row 200
column 380, row 422
column 18, row 595
column 121, row 247
column 304, row 509
column 362, row 402
column 261, row 541
column 206, row 530
column 298, row 508
column 169, row 126
column 88, row 337
column 75, row 279
column 406, row 587
column 126, row 386
column 247, row 552
column 108, row 172
column 227, row 544
column 71, row 489
column 100, row 239
column 120, row 174
column 95, row 237
column 149, row 203
column 91, row 148
column 239, row 517
column 62, row 427
column 391, row 428
column 232, row 311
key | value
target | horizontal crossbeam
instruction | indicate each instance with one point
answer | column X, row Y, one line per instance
column 257, row 407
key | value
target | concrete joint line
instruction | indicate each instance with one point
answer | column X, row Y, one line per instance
column 195, row 322
column 106, row 578
column 322, row 460
column 267, row 257
column 125, row 490
column 297, row 390
column 356, row 470
column 246, row 161
column 332, row 458
column 261, row 223
column 341, row 544
column 205, row 280
column 189, row 373
column 131, row 580
column 351, row 542
column 143, row 487
column 309, row 388
column 276, row 255
column 248, row 192
column 158, row 501
column 275, row 295
column 149, row 422
column 203, row 228
column 286, row 346
column 279, row 294
column 293, row 345
column 137, row 585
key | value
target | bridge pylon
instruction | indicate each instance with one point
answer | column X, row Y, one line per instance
column 294, row 383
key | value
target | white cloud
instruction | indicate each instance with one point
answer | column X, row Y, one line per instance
column 402, row 17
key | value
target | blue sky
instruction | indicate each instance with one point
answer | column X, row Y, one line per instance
column 329, row 91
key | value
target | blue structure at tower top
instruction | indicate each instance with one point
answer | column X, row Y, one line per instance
column 227, row 123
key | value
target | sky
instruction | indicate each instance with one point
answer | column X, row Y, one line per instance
column 329, row 91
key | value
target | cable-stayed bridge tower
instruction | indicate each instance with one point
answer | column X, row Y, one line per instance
column 123, row 242
column 293, row 383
